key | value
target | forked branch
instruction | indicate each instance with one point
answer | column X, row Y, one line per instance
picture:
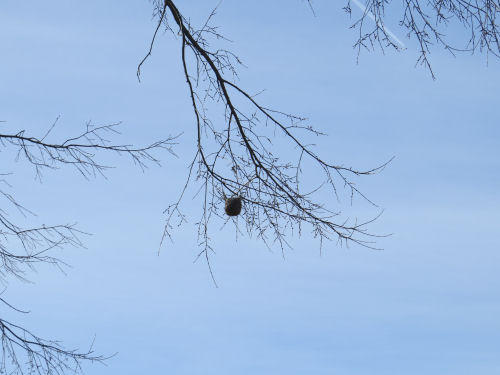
column 23, row 247
column 238, row 157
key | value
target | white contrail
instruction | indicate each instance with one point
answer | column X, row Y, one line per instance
column 362, row 7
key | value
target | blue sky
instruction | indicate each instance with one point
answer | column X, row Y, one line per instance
column 428, row 303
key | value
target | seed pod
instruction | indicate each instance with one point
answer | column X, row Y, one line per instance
column 233, row 206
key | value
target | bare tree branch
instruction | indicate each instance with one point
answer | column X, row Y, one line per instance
column 80, row 151
column 25, row 353
column 428, row 22
column 23, row 247
column 236, row 158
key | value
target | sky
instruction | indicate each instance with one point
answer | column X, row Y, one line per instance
column 427, row 303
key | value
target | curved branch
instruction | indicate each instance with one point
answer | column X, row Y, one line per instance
column 238, row 157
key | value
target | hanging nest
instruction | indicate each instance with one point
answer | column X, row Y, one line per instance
column 233, row 206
